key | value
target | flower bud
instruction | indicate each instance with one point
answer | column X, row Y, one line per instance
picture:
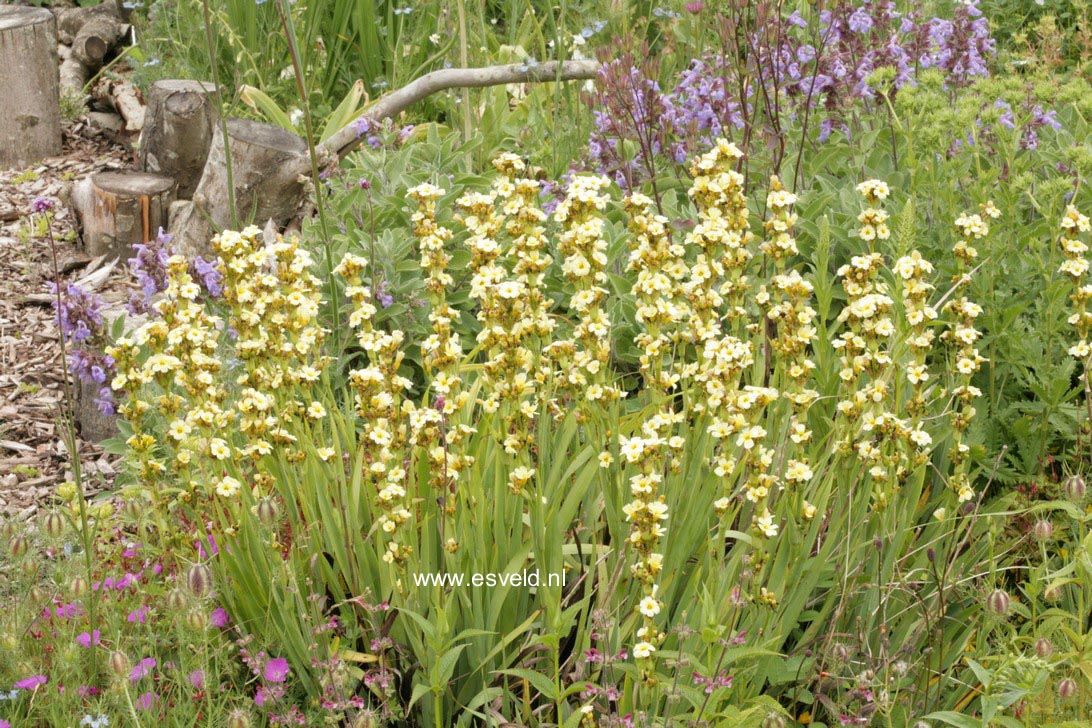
column 29, row 567
column 37, row 594
column 1043, row 648
column 18, row 545
column 1052, row 594
column 54, row 525
column 1042, row 530
column 840, row 652
column 1074, row 488
column 998, row 602
column 196, row 620
column 366, row 719
column 1067, row 688
column 78, row 586
column 133, row 509
column 267, row 511
column 7, row 529
column 773, row 720
column 176, row 600
column 199, row 580
column 119, row 663
column 239, row 719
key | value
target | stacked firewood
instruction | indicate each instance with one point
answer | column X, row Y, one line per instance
column 89, row 38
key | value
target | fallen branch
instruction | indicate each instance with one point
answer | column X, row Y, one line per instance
column 270, row 165
column 394, row 103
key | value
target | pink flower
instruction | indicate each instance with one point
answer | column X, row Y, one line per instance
column 142, row 669
column 32, row 682
column 196, row 678
column 86, row 640
column 147, row 700
column 140, row 614
column 276, row 670
column 219, row 618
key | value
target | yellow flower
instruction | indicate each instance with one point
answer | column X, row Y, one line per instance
column 650, row 607
column 228, row 487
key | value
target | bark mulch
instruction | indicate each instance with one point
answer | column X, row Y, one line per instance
column 33, row 456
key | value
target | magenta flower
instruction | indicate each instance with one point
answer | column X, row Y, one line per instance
column 85, row 640
column 140, row 614
column 41, row 204
column 4, row 723
column 142, row 669
column 32, row 682
column 219, row 618
column 147, row 700
column 196, row 678
column 276, row 670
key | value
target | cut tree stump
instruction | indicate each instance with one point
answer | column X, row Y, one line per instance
column 94, row 426
column 121, row 209
column 178, row 126
column 263, row 160
column 30, row 127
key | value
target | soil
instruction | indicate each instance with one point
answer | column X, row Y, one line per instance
column 33, row 406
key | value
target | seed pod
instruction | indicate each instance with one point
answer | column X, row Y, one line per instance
column 840, row 652
column 1074, row 488
column 18, row 545
column 199, row 580
column 133, row 510
column 773, row 720
column 1067, row 688
column 1042, row 530
column 998, row 602
column 78, row 586
column 1043, row 648
column 366, row 719
column 37, row 594
column 54, row 525
column 239, row 719
column 197, row 621
column 119, row 663
column 7, row 529
column 267, row 511
column 29, row 567
column 177, row 600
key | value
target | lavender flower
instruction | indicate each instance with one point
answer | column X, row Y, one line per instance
column 79, row 317
column 149, row 265
column 41, row 204
column 386, row 300
column 210, row 277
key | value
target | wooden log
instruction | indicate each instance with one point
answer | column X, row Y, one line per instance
column 92, row 424
column 178, row 126
column 121, row 209
column 30, row 127
column 123, row 97
column 96, row 38
column 73, row 74
column 70, row 20
column 262, row 157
